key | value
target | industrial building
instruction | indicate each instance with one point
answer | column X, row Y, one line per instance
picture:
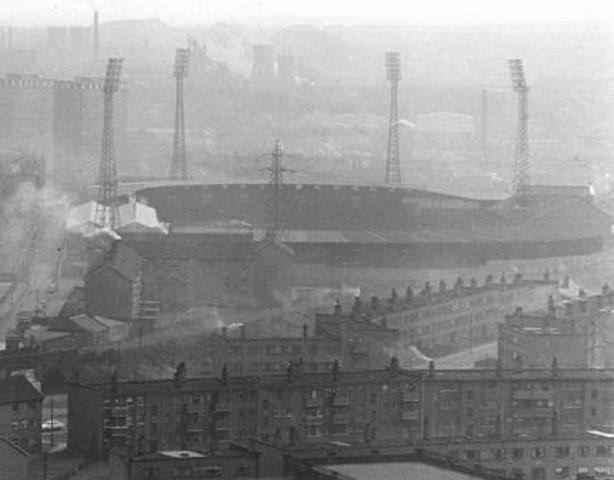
column 60, row 120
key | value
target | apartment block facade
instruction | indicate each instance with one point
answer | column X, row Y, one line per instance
column 299, row 408
column 356, row 344
column 577, row 333
column 446, row 318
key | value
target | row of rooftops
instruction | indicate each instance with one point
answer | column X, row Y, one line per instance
column 336, row 378
column 427, row 296
column 566, row 316
column 28, row 335
column 534, row 190
column 17, row 388
column 315, row 451
column 240, row 334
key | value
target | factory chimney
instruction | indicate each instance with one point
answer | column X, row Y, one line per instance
column 95, row 42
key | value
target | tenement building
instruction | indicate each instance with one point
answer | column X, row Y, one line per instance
column 576, row 333
column 443, row 319
column 366, row 407
column 20, row 413
column 357, row 344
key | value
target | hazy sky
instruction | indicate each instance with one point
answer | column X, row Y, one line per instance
column 414, row 12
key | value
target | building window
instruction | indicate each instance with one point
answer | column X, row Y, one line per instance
column 603, row 451
column 594, row 393
column 151, row 473
column 517, row 474
column 518, row 453
column 561, row 452
column 538, row 452
column 538, row 473
column 469, row 394
column 473, row 454
column 242, row 471
column 584, row 451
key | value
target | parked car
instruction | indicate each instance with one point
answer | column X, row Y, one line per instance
column 52, row 425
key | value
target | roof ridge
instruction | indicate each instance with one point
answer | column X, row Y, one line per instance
column 14, row 446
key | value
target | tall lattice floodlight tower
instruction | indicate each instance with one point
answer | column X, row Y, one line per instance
column 393, row 74
column 276, row 171
column 179, row 161
column 522, row 164
column 106, row 209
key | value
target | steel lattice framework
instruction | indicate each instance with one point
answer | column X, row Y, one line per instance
column 522, row 164
column 106, row 210
column 393, row 74
column 276, row 171
column 179, row 161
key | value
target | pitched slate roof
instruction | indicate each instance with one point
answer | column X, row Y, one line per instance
column 84, row 322
column 13, row 446
column 17, row 389
column 121, row 259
